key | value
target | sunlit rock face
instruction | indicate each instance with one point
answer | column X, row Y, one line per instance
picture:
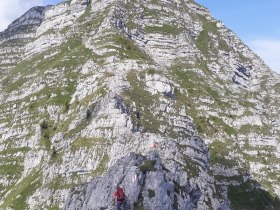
column 155, row 95
column 17, row 35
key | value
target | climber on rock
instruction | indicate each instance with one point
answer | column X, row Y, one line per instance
column 119, row 198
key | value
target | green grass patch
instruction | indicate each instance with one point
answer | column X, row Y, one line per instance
column 71, row 54
column 192, row 86
column 193, row 82
column 202, row 42
column 219, row 151
column 144, row 102
column 101, row 168
column 59, row 183
column 191, row 167
column 11, row 169
column 14, row 150
column 16, row 199
column 243, row 58
column 87, row 143
column 151, row 71
column 56, row 156
column 128, row 48
column 223, row 45
column 247, row 104
column 15, row 85
column 219, row 123
column 203, row 124
column 205, row 43
column 148, row 165
column 249, row 196
column 54, row 208
column 138, row 205
column 89, row 21
column 248, row 128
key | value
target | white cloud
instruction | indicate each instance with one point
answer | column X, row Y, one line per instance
column 268, row 50
column 13, row 9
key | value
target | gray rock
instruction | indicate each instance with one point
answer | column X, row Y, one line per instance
column 144, row 181
column 113, row 77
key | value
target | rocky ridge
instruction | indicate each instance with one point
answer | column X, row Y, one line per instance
column 17, row 35
column 147, row 184
column 84, row 83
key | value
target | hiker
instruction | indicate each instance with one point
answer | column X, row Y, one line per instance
column 119, row 197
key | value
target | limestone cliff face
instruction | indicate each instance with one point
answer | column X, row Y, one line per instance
column 147, row 183
column 87, row 87
column 15, row 37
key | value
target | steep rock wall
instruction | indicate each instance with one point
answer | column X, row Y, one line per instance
column 94, row 81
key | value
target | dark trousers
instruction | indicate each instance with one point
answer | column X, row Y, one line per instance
column 119, row 206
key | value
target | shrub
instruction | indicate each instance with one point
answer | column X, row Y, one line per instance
column 88, row 115
column 151, row 193
column 44, row 125
column 148, row 165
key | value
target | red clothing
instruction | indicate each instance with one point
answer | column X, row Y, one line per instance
column 119, row 195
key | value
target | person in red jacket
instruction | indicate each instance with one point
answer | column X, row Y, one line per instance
column 119, row 197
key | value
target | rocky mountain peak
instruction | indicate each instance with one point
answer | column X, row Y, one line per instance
column 34, row 16
column 157, row 95
column 17, row 35
column 25, row 25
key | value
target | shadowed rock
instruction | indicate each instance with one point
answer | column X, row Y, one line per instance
column 145, row 181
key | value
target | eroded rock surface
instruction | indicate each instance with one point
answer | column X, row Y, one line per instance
column 85, row 83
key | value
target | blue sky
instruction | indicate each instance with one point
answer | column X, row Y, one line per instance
column 251, row 19
column 256, row 22
column 12, row 9
column 52, row 2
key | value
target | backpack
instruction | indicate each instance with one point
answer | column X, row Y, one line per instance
column 121, row 195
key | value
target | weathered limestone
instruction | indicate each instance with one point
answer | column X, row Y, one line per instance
column 89, row 88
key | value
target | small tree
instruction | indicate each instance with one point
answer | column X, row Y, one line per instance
column 67, row 105
column 44, row 125
column 88, row 115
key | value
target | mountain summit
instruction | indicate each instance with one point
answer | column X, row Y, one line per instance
column 155, row 95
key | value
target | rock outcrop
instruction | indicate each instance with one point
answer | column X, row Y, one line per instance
column 17, row 35
column 146, row 183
